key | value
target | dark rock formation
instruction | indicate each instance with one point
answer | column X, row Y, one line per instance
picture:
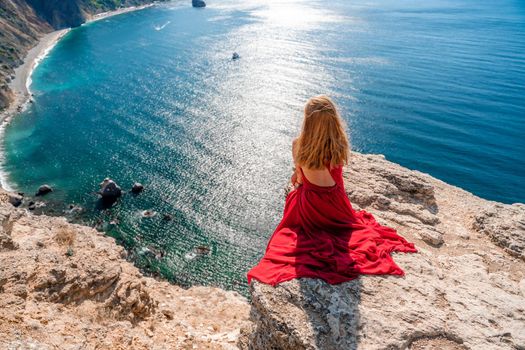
column 110, row 190
column 202, row 249
column 137, row 188
column 198, row 3
column 43, row 190
column 16, row 199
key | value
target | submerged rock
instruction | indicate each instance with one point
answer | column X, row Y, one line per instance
column 148, row 213
column 74, row 209
column 202, row 249
column 43, row 190
column 154, row 252
column 109, row 189
column 198, row 3
column 137, row 188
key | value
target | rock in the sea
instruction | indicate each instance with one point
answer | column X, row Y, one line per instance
column 137, row 188
column 202, row 249
column 43, row 190
column 148, row 213
column 198, row 3
column 235, row 56
column 167, row 217
column 109, row 189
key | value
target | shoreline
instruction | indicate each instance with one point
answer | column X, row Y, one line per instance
column 102, row 15
column 20, row 88
column 20, row 85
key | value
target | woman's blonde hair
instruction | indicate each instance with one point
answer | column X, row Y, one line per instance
column 323, row 138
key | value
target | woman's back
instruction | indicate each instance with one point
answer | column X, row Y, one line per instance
column 322, row 177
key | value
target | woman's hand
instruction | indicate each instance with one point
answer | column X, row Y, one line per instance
column 296, row 179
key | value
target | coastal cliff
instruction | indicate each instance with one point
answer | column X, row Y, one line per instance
column 24, row 22
column 70, row 286
column 65, row 286
column 465, row 289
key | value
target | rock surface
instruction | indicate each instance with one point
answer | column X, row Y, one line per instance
column 109, row 189
column 465, row 289
column 70, row 285
column 65, row 286
column 198, row 3
column 137, row 188
column 43, row 190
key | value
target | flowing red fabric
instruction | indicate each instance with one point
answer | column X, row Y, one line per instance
column 322, row 236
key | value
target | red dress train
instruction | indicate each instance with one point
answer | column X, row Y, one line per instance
column 322, row 236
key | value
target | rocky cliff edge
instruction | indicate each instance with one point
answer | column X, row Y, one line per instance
column 465, row 289
column 68, row 286
column 65, row 286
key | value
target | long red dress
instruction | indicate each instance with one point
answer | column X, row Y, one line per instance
column 322, row 236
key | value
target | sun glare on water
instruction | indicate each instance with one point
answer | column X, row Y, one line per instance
column 294, row 14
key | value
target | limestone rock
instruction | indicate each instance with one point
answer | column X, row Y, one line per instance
column 431, row 237
column 93, row 298
column 505, row 225
column 16, row 199
column 460, row 291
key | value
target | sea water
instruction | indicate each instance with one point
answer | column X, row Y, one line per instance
column 154, row 96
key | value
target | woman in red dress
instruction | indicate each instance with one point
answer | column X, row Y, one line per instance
column 321, row 235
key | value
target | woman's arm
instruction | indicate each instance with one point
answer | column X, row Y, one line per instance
column 297, row 179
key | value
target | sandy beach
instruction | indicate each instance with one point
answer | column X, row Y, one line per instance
column 20, row 84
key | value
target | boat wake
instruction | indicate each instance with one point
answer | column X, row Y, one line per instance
column 162, row 26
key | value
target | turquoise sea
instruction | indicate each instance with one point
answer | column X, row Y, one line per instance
column 153, row 96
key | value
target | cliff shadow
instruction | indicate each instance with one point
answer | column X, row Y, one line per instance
column 306, row 313
column 332, row 312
